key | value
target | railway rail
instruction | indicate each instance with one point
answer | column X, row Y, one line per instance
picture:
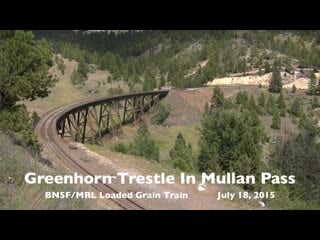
column 50, row 132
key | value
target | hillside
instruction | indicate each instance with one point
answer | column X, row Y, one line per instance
column 239, row 101
column 187, row 106
column 15, row 162
column 64, row 92
column 191, row 58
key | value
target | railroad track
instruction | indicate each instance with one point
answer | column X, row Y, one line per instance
column 46, row 128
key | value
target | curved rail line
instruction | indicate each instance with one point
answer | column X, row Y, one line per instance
column 47, row 129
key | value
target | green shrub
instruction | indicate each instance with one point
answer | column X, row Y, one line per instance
column 143, row 145
column 120, row 147
column 115, row 91
column 15, row 122
column 161, row 115
column 34, row 119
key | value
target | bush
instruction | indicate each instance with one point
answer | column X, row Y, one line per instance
column 276, row 121
column 81, row 75
column 77, row 78
column 162, row 114
column 296, row 108
column 34, row 119
column 315, row 103
column 294, row 88
column 120, row 147
column 15, row 122
column 61, row 66
column 115, row 91
column 143, row 145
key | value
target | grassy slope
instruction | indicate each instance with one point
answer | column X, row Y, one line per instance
column 164, row 136
column 15, row 162
column 64, row 93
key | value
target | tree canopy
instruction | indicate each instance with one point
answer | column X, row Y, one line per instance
column 181, row 154
column 232, row 141
column 24, row 67
column 276, row 81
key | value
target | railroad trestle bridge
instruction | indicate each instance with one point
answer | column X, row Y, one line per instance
column 89, row 121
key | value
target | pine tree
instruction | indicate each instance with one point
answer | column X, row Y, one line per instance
column 217, row 99
column 312, row 88
column 296, row 108
column 60, row 64
column 239, row 98
column 282, row 105
column 153, row 82
column 281, row 102
column 181, row 155
column 136, row 78
column 149, row 84
column 299, row 155
column 312, row 162
column 207, row 160
column 261, row 100
column 227, row 134
column 162, row 81
column 267, row 67
column 276, row 81
column 24, row 67
column 288, row 66
column 315, row 103
column 312, row 85
column 245, row 98
column 206, row 109
column 252, row 105
column 162, row 113
column 83, row 69
column 35, row 118
column 143, row 145
column 271, row 105
column 276, row 121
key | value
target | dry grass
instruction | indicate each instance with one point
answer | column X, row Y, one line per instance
column 64, row 93
column 164, row 136
column 15, row 162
